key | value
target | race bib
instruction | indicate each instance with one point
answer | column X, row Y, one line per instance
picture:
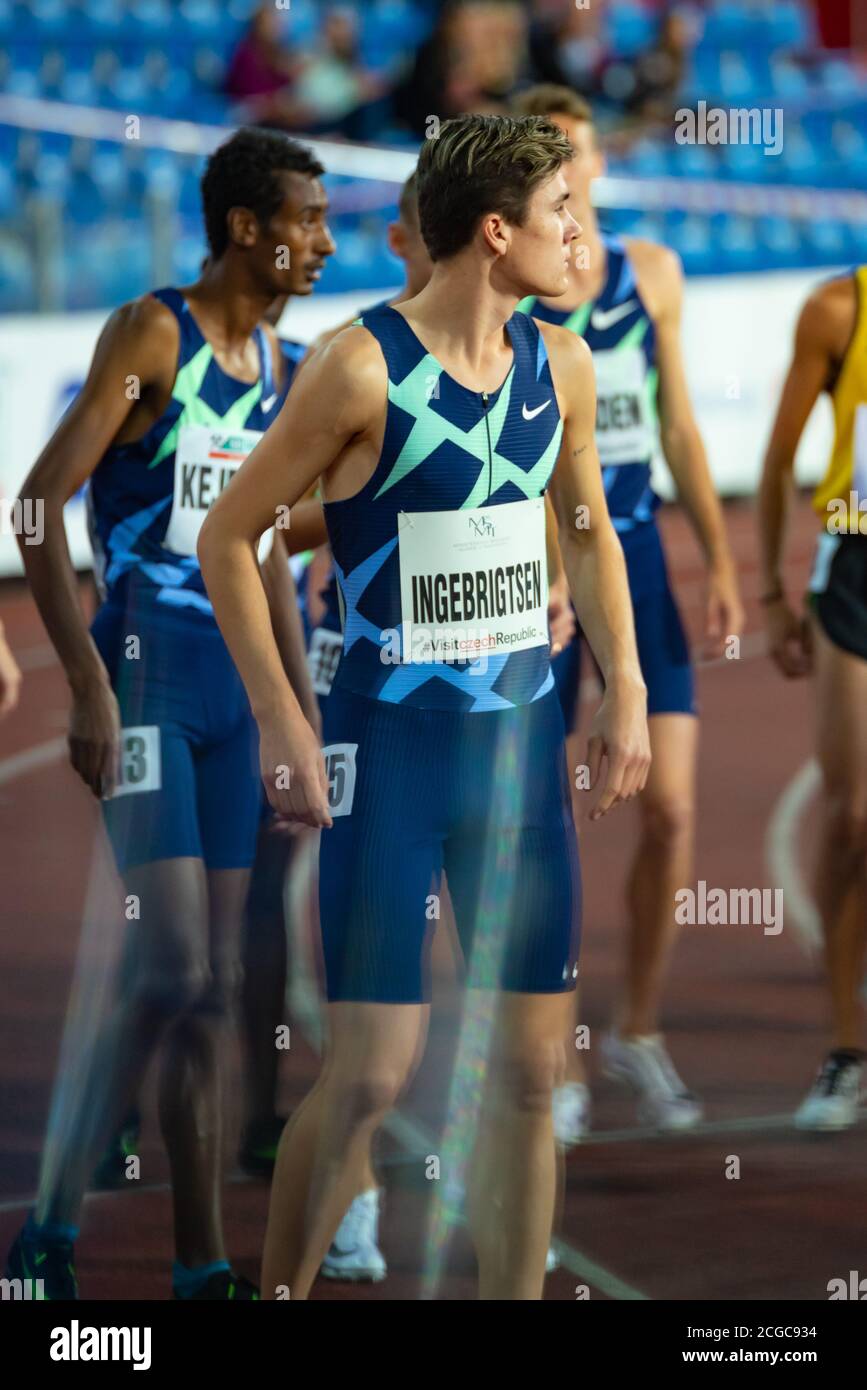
column 205, row 461
column 140, row 762
column 625, row 423
column 859, row 455
column 322, row 658
column 340, row 770
column 473, row 583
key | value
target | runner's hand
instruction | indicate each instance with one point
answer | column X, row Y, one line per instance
column 789, row 640
column 94, row 736
column 725, row 615
column 561, row 616
column 293, row 771
column 619, row 734
column 10, row 679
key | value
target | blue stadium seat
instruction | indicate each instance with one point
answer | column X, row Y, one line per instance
column 790, row 25
column 17, row 291
column 630, row 28
column 780, row 239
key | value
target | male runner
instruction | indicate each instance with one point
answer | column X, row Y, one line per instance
column 182, row 384
column 830, row 354
column 354, row 1252
column 624, row 298
column 437, row 428
column 263, row 937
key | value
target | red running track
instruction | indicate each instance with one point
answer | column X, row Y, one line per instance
column 642, row 1216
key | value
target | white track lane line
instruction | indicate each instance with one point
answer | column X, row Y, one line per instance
column 405, row 1129
column 31, row 759
column 781, row 855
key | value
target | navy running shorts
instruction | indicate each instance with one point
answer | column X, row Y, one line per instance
column 190, row 784
column 483, row 797
column 838, row 590
column 663, row 651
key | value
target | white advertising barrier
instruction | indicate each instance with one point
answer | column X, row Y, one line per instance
column 737, row 337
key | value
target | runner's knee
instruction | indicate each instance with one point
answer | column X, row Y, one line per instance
column 221, row 990
column 530, row 1079
column 668, row 820
column 847, row 818
column 166, row 994
column 361, row 1099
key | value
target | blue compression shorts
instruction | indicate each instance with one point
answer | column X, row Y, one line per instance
column 190, row 784
column 663, row 651
column 484, row 797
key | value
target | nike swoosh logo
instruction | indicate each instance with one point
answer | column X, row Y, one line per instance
column 605, row 318
column 266, row 405
column 531, row 414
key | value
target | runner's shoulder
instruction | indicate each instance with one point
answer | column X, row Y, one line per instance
column 658, row 272
column 828, row 316
column 145, row 330
column 567, row 351
column 347, row 380
column 352, row 354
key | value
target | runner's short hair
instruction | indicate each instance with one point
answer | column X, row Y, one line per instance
column 481, row 164
column 407, row 203
column 552, row 99
column 243, row 172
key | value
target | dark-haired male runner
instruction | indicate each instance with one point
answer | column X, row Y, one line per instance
column 183, row 383
column 437, row 429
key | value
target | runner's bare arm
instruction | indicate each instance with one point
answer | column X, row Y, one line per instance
column 594, row 565
column 561, row 619
column 824, row 327
column 136, row 343
column 136, row 353
column 306, row 529
column 282, row 596
column 822, row 333
column 328, row 335
column 660, row 279
column 339, row 396
column 552, row 545
column 10, row 677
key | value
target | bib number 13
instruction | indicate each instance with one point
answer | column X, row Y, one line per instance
column 140, row 763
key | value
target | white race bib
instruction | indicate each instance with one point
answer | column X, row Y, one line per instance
column 474, row 582
column 205, row 461
column 625, row 427
column 323, row 655
column 140, row 760
column 859, row 454
column 340, row 770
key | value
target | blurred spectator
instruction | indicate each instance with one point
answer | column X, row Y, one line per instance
column 260, row 64
column 333, row 84
column 658, row 74
column 471, row 62
column 324, row 88
column 567, row 45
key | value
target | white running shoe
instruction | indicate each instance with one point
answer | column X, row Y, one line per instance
column 644, row 1064
column 354, row 1254
column 571, row 1113
column 832, row 1102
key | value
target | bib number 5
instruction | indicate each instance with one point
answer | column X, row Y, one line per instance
column 340, row 770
